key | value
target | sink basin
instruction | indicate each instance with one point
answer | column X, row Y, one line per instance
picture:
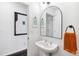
column 47, row 47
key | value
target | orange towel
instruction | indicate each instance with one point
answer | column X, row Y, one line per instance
column 70, row 42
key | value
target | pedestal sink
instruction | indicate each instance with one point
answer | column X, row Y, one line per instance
column 46, row 48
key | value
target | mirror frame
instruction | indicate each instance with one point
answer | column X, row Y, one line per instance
column 61, row 22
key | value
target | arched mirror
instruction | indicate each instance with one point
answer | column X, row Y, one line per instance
column 51, row 22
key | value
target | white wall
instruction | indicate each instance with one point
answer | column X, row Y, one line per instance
column 8, row 42
column 70, row 16
column 34, row 32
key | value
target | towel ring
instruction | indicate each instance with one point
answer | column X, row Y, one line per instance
column 70, row 26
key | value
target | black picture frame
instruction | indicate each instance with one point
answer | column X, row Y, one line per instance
column 15, row 20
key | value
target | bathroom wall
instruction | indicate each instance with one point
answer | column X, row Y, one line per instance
column 34, row 30
column 8, row 42
column 70, row 12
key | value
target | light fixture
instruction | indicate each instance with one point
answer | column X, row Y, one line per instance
column 48, row 3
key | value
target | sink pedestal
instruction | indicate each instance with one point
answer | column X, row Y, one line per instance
column 42, row 53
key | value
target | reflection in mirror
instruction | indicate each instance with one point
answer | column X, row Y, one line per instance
column 49, row 25
column 51, row 22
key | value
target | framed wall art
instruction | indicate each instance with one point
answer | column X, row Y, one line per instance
column 20, row 24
